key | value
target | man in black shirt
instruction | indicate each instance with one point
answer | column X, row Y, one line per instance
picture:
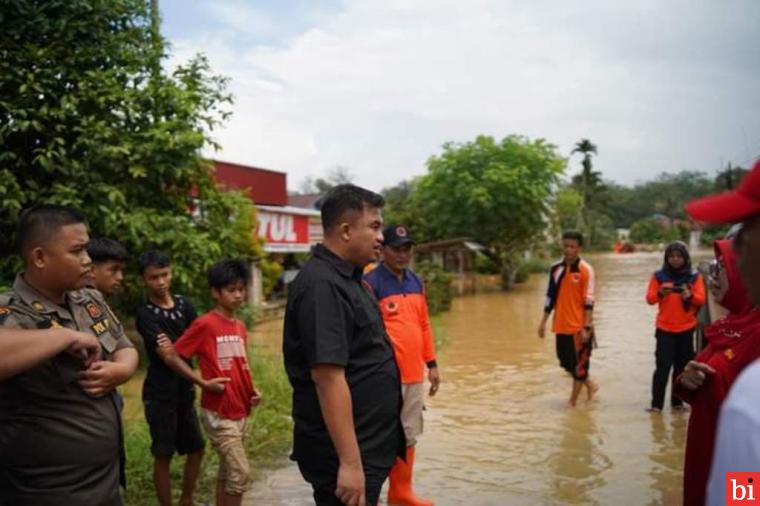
column 339, row 360
column 168, row 398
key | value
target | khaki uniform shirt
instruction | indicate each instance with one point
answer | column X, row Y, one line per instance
column 57, row 444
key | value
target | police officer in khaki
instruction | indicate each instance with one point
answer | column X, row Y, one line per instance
column 60, row 426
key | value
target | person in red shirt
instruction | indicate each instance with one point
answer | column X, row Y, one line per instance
column 679, row 292
column 219, row 340
column 733, row 343
column 403, row 304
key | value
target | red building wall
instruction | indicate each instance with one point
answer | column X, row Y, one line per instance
column 264, row 186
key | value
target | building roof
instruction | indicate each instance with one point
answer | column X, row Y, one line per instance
column 263, row 186
column 308, row 200
column 462, row 242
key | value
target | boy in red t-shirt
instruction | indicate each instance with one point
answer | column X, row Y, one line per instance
column 219, row 340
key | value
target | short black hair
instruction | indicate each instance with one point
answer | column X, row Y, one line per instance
column 40, row 223
column 227, row 272
column 344, row 198
column 153, row 259
column 102, row 250
column 573, row 235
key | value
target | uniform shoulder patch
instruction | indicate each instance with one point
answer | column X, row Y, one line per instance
column 93, row 310
column 98, row 328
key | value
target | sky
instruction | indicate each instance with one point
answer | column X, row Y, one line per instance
column 377, row 86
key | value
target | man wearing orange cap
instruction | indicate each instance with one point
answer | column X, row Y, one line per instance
column 403, row 304
column 737, row 447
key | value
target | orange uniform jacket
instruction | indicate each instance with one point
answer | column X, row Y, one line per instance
column 405, row 312
column 672, row 315
column 570, row 294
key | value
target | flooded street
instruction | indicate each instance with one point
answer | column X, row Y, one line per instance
column 498, row 432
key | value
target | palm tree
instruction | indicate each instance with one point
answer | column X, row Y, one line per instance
column 588, row 182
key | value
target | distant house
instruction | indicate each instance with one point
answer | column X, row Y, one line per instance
column 456, row 256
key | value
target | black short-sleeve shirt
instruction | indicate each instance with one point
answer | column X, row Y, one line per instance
column 161, row 383
column 332, row 319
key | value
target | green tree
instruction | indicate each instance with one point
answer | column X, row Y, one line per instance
column 647, row 231
column 568, row 203
column 397, row 208
column 88, row 119
column 729, row 178
column 496, row 192
column 335, row 176
column 651, row 230
column 589, row 184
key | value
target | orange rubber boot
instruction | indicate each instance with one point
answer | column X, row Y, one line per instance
column 400, row 490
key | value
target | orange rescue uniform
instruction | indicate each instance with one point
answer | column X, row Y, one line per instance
column 570, row 294
column 672, row 315
column 403, row 305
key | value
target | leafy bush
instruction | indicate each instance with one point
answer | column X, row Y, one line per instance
column 651, row 231
column 270, row 272
column 485, row 264
column 531, row 266
column 521, row 274
column 438, row 286
column 710, row 235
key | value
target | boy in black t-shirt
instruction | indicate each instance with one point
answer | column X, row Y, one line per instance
column 168, row 398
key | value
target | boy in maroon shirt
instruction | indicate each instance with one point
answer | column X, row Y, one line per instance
column 219, row 340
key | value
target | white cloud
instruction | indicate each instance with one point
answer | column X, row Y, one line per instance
column 380, row 85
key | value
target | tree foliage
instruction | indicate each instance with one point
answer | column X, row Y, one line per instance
column 666, row 194
column 568, row 203
column 496, row 192
column 592, row 190
column 397, row 204
column 87, row 120
column 335, row 176
column 653, row 231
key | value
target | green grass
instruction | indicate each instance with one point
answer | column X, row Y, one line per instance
column 269, row 436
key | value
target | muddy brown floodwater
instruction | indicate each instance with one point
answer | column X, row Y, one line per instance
column 498, row 433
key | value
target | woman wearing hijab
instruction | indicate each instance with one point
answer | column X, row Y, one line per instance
column 733, row 343
column 679, row 292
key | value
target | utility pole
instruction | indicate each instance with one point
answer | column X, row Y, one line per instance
column 729, row 177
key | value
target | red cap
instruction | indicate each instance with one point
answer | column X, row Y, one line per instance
column 731, row 206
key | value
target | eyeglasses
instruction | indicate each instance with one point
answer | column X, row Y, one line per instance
column 714, row 269
column 738, row 238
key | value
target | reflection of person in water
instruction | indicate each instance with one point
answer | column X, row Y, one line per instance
column 578, row 463
column 668, row 439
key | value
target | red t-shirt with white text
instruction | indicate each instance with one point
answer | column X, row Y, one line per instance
column 220, row 344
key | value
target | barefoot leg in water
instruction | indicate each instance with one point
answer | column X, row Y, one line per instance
column 593, row 388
